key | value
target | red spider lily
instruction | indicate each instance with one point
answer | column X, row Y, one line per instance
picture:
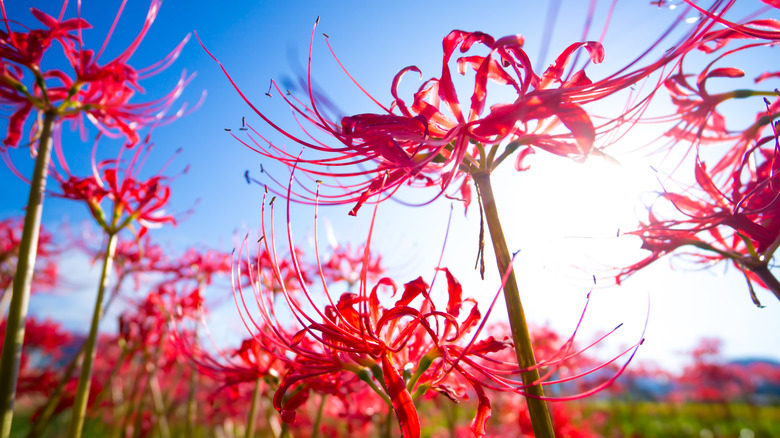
column 100, row 92
column 199, row 265
column 137, row 257
column 10, row 239
column 345, row 265
column 116, row 196
column 735, row 219
column 262, row 272
column 698, row 120
column 697, row 108
column 400, row 351
column 433, row 141
column 44, row 348
column 710, row 379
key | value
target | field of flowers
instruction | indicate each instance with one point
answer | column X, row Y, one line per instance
column 330, row 341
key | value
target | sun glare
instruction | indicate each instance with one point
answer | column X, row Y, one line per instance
column 576, row 214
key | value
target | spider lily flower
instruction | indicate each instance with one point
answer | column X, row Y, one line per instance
column 136, row 257
column 732, row 218
column 116, row 196
column 261, row 272
column 10, row 239
column 400, row 351
column 345, row 264
column 95, row 89
column 436, row 140
column 697, row 109
column 430, row 142
column 697, row 118
column 198, row 265
column 246, row 364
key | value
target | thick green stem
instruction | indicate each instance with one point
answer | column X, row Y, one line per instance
column 250, row 420
column 25, row 265
column 285, row 433
column 85, row 380
column 540, row 416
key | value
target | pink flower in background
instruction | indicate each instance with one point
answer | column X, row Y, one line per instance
column 10, row 238
column 345, row 264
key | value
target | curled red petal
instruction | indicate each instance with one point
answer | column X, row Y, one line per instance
column 484, row 412
column 412, row 290
column 521, row 163
column 455, row 292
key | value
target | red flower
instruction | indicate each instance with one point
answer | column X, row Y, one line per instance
column 734, row 218
column 100, row 92
column 10, row 238
column 116, row 196
column 400, row 351
column 344, row 264
column 437, row 139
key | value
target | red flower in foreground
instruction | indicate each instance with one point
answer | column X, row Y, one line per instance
column 436, row 139
column 97, row 90
column 401, row 351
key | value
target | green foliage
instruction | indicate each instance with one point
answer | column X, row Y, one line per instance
column 714, row 420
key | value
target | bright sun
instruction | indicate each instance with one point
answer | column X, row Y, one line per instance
column 572, row 213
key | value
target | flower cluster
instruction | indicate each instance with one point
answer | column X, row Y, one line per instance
column 401, row 351
column 730, row 212
column 95, row 89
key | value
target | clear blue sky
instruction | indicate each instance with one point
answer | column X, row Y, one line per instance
column 259, row 40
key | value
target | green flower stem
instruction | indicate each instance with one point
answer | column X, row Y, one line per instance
column 365, row 375
column 285, row 433
column 768, row 278
column 422, row 366
column 85, row 380
column 20, row 298
column 159, row 406
column 540, row 416
column 315, row 428
column 250, row 420
column 131, row 400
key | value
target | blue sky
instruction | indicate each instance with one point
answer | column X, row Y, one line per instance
column 545, row 209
